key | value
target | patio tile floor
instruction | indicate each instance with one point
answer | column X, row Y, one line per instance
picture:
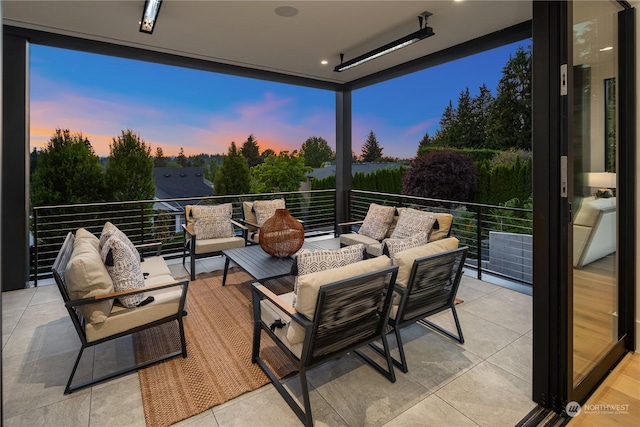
column 486, row 381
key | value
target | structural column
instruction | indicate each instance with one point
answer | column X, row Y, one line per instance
column 343, row 155
column 15, row 163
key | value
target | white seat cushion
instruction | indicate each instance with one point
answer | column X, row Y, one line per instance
column 217, row 245
column 155, row 266
column 166, row 303
column 404, row 260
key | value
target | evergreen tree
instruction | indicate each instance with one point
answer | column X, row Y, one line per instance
column 266, row 153
column 424, row 143
column 481, row 105
column 510, row 121
column 316, row 151
column 283, row 172
column 251, row 151
column 233, row 176
column 67, row 171
column 444, row 135
column 129, row 173
column 182, row 159
column 462, row 130
column 371, row 150
column 159, row 161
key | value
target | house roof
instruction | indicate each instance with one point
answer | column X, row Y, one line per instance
column 366, row 168
column 172, row 183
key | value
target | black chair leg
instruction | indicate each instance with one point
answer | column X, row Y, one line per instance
column 67, row 389
column 403, row 358
column 192, row 259
column 443, row 331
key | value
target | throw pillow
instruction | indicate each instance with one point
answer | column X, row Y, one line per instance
column 124, row 268
column 313, row 260
column 393, row 246
column 110, row 230
column 404, row 260
column 309, row 284
column 213, row 222
column 86, row 276
column 265, row 209
column 83, row 233
column 377, row 221
column 412, row 222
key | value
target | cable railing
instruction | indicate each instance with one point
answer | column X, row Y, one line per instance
column 145, row 221
column 499, row 238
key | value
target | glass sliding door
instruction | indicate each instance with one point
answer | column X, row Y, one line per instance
column 594, row 209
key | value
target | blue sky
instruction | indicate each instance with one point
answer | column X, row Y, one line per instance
column 203, row 112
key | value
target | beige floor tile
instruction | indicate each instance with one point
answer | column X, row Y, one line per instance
column 360, row 395
column 468, row 293
column 516, row 358
column 114, row 355
column 482, row 337
column 45, row 294
column 73, row 411
column 432, row 411
column 117, row 402
column 433, row 360
column 516, row 314
column 17, row 299
column 36, row 384
column 472, row 282
column 262, row 409
column 489, row 396
column 205, row 419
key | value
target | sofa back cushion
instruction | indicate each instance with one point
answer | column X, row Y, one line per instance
column 404, row 260
column 444, row 222
column 309, row 284
column 86, row 276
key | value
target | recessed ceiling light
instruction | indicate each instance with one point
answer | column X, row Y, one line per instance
column 286, row 11
column 604, row 49
column 324, row 62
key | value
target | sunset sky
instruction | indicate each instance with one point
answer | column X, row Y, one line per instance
column 203, row 112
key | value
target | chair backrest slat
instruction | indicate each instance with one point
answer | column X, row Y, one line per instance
column 433, row 284
column 350, row 314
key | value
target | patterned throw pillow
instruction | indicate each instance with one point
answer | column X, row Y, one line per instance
column 377, row 221
column 313, row 260
column 124, row 268
column 393, row 246
column 213, row 222
column 411, row 222
column 265, row 209
column 109, row 230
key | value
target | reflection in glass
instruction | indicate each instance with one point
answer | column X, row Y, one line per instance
column 595, row 305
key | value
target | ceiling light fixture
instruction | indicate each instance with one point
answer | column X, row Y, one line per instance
column 424, row 32
column 149, row 15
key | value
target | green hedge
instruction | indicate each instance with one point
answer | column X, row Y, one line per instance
column 504, row 182
column 476, row 154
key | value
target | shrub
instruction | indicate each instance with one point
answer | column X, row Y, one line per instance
column 445, row 174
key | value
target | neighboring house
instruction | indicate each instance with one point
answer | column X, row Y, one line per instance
column 366, row 168
column 173, row 183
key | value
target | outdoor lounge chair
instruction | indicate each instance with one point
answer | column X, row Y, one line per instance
column 256, row 213
column 349, row 314
column 431, row 288
column 165, row 302
column 197, row 247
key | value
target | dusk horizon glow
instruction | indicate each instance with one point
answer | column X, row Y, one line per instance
column 203, row 112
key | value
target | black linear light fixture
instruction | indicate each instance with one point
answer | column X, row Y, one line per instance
column 424, row 32
column 149, row 15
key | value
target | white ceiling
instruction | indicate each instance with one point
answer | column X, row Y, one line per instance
column 250, row 34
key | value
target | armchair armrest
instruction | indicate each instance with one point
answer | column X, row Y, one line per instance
column 262, row 292
column 114, row 295
column 143, row 246
column 344, row 224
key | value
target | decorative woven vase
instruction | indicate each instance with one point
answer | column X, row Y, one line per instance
column 281, row 235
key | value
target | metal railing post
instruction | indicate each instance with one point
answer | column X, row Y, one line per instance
column 479, row 240
column 35, row 263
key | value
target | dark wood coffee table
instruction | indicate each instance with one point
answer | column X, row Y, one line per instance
column 260, row 264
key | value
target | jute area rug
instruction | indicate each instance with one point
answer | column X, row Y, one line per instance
column 219, row 334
